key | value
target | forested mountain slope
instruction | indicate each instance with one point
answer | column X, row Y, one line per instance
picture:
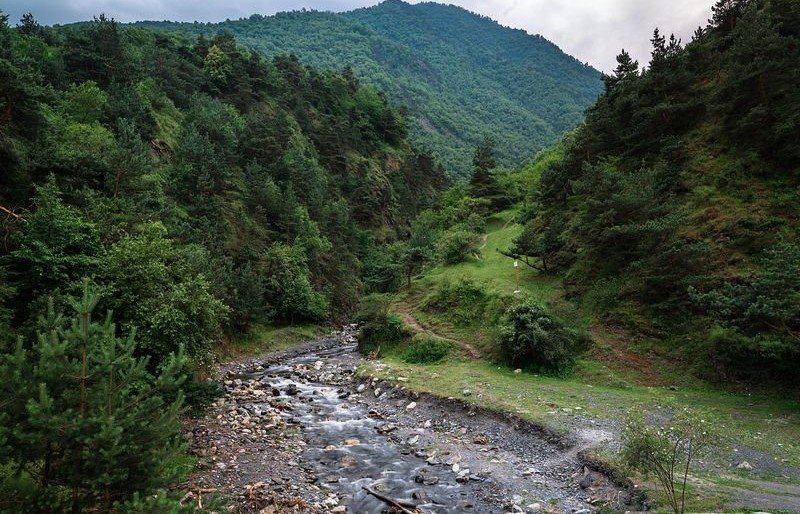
column 202, row 185
column 675, row 210
column 461, row 75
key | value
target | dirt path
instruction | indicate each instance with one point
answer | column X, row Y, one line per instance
column 299, row 431
column 405, row 312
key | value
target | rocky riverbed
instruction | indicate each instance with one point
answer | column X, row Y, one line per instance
column 299, row 431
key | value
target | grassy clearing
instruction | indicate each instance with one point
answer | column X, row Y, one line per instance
column 261, row 339
column 494, row 270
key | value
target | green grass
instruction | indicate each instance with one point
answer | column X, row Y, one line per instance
column 262, row 339
column 494, row 270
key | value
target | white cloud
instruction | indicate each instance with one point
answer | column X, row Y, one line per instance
column 592, row 30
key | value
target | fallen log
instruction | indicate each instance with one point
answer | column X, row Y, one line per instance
column 400, row 504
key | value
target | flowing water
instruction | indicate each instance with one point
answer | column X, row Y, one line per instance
column 345, row 445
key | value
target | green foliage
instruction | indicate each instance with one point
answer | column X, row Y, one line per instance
column 96, row 428
column 84, row 103
column 667, row 452
column 534, row 339
column 457, row 246
column 154, row 290
column 426, row 349
column 53, row 248
column 453, row 71
column 380, row 329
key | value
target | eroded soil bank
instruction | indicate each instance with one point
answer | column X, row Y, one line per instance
column 299, row 431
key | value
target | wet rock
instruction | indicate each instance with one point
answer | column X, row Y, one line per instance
column 386, row 428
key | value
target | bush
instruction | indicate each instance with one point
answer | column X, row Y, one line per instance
column 380, row 329
column 667, row 452
column 426, row 349
column 466, row 302
column 456, row 246
column 531, row 338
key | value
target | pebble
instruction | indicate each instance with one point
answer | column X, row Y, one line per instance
column 411, row 406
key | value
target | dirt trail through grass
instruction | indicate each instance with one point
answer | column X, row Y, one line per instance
column 409, row 319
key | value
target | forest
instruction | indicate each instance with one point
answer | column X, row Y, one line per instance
column 456, row 72
column 192, row 190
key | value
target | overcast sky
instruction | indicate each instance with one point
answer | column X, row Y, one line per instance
column 592, row 30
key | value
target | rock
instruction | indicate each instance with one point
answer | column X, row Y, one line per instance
column 411, row 406
column 480, row 439
column 456, row 468
column 419, row 495
column 340, row 508
column 517, row 371
column 377, row 392
column 427, row 424
column 431, row 481
column 583, row 511
column 592, row 480
column 361, row 388
column 351, row 442
column 386, row 428
column 413, row 440
column 535, row 507
column 745, row 466
column 466, row 392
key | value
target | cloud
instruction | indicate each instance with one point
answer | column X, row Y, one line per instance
column 594, row 31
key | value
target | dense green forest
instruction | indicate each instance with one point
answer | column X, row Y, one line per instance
column 193, row 190
column 461, row 75
column 673, row 209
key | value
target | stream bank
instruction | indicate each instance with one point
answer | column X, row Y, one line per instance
column 299, row 431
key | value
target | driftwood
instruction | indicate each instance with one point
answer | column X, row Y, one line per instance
column 404, row 506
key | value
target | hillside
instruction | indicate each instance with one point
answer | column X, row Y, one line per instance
column 461, row 76
column 674, row 211
column 202, row 177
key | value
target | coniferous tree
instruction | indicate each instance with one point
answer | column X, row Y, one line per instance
column 484, row 184
column 626, row 68
column 84, row 424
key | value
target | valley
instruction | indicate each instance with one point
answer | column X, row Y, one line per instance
column 398, row 259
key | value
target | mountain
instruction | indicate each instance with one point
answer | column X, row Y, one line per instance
column 462, row 76
column 674, row 208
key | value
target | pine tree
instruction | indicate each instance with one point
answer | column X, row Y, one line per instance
column 484, row 183
column 84, row 424
column 626, row 68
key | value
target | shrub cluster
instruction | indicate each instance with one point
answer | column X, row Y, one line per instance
column 531, row 338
